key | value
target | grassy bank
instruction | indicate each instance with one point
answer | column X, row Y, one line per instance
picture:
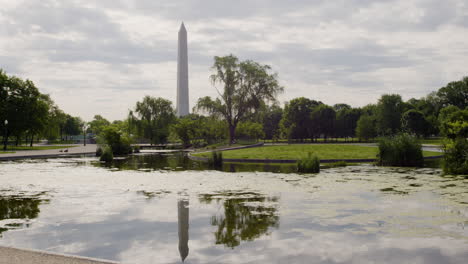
column 326, row 151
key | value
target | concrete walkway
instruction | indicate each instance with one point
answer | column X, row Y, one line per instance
column 20, row 256
column 50, row 153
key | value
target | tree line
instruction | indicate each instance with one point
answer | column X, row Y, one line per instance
column 246, row 108
column 26, row 114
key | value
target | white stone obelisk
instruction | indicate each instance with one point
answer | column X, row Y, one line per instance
column 182, row 74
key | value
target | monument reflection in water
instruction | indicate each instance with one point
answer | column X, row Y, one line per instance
column 183, row 217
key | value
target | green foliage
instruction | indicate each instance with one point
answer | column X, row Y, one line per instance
column 296, row 122
column 216, row 160
column 324, row 119
column 247, row 85
column 346, row 121
column 389, row 111
column 271, row 121
column 454, row 122
column 99, row 151
column 107, row 155
column 456, row 156
column 310, row 164
column 97, row 125
column 152, row 119
column 186, row 130
column 250, row 130
column 455, row 93
column 119, row 143
column 365, row 128
column 136, row 149
column 401, row 150
column 415, row 123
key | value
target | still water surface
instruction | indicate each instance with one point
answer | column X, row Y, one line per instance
column 165, row 209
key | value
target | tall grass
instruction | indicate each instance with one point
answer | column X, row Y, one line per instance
column 310, row 164
column 107, row 155
column 402, row 150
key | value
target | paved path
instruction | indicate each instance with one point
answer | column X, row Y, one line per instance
column 50, row 153
column 20, row 256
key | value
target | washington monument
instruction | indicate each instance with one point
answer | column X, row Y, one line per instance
column 182, row 74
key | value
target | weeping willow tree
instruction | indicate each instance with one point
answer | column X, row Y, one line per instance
column 246, row 85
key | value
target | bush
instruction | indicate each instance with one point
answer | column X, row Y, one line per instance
column 401, row 150
column 311, row 164
column 107, row 155
column 216, row 160
column 119, row 144
column 136, row 149
column 99, row 151
column 456, row 156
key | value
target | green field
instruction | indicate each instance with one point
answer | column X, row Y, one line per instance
column 325, row 151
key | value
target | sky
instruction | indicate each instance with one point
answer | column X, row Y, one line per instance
column 101, row 57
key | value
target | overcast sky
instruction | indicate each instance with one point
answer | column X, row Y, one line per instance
column 101, row 57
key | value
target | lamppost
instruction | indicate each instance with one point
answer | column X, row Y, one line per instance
column 85, row 127
column 5, row 136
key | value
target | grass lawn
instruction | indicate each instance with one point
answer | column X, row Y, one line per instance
column 16, row 148
column 326, row 151
column 432, row 141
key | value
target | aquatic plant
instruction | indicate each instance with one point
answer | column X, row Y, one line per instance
column 309, row 164
column 107, row 154
column 99, row 151
column 401, row 150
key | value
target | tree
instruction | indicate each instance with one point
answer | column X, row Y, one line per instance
column 415, row 123
column 250, row 130
column 366, row 128
column 454, row 122
column 346, row 122
column 98, row 124
column 271, row 121
column 389, row 110
column 153, row 118
column 72, row 125
column 186, row 129
column 324, row 118
column 247, row 84
column 296, row 122
column 455, row 93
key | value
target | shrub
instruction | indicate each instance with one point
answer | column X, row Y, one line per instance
column 119, row 144
column 310, row 164
column 99, row 151
column 456, row 156
column 107, row 155
column 216, row 160
column 136, row 149
column 400, row 150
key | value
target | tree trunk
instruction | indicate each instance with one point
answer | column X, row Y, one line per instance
column 232, row 134
column 32, row 140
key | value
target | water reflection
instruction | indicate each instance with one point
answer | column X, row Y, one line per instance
column 183, row 224
column 180, row 162
column 247, row 216
column 19, row 210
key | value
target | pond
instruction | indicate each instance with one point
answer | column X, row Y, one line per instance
column 168, row 209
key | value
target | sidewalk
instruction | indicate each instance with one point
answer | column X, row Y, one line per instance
column 20, row 256
column 77, row 150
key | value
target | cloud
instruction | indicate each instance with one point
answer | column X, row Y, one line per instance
column 335, row 51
